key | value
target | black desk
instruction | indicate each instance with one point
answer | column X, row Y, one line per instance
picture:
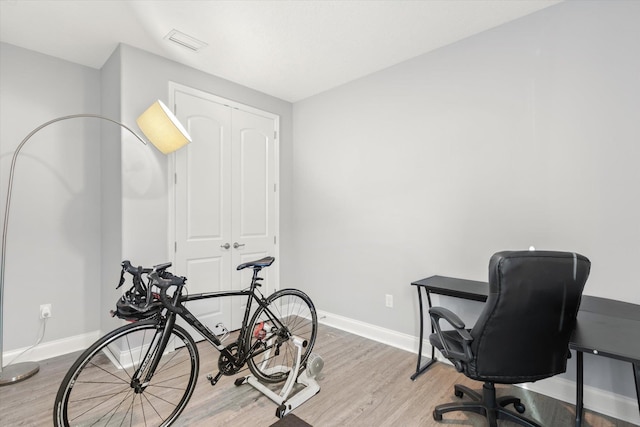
column 449, row 286
column 604, row 327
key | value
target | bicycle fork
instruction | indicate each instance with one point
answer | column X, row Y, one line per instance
column 152, row 357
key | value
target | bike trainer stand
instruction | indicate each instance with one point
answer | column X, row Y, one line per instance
column 286, row 403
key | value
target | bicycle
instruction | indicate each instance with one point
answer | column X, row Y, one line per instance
column 145, row 372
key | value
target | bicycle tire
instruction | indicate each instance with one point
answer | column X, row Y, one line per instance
column 98, row 389
column 274, row 353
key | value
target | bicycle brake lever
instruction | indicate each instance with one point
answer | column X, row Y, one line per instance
column 121, row 279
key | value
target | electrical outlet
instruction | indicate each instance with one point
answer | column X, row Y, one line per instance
column 388, row 299
column 45, row 311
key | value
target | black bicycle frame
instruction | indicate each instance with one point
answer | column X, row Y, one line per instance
column 178, row 309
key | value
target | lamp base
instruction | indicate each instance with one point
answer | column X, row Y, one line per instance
column 19, row 372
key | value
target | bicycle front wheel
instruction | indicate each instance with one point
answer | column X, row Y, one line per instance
column 106, row 386
column 289, row 313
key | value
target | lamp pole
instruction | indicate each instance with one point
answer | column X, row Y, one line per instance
column 21, row 371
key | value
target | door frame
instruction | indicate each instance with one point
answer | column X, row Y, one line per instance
column 274, row 270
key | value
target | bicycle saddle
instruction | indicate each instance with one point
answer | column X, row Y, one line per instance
column 261, row 263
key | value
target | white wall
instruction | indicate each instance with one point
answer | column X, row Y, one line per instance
column 53, row 244
column 526, row 134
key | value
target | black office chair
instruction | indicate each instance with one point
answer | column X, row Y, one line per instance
column 522, row 334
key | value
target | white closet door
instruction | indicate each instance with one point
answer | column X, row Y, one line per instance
column 253, row 197
column 203, row 205
column 225, row 200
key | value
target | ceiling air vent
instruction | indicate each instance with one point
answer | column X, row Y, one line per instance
column 184, row 40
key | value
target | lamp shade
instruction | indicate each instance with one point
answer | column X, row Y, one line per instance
column 162, row 128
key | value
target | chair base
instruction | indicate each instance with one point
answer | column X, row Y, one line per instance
column 487, row 404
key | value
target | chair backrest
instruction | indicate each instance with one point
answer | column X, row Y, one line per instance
column 524, row 330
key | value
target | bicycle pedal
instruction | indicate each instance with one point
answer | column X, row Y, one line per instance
column 239, row 381
column 214, row 380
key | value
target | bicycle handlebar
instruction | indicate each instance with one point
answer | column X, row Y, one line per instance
column 136, row 271
column 163, row 280
column 141, row 298
column 158, row 276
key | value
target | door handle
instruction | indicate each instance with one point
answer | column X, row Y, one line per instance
column 237, row 245
column 225, row 246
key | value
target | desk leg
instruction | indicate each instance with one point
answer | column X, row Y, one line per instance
column 433, row 350
column 421, row 369
column 579, row 388
column 636, row 377
column 413, row 377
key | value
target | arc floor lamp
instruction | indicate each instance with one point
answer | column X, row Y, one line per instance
column 160, row 127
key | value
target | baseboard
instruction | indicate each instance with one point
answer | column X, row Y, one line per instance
column 385, row 336
column 51, row 349
column 603, row 402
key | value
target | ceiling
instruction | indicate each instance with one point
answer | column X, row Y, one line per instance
column 289, row 49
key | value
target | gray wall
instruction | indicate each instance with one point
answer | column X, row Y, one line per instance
column 53, row 245
column 523, row 135
column 145, row 78
column 80, row 205
column 111, row 190
column 142, row 225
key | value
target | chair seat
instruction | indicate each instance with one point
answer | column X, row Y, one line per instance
column 452, row 338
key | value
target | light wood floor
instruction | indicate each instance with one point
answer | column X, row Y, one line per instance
column 364, row 383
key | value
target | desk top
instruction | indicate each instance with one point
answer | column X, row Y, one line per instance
column 450, row 286
column 609, row 328
column 610, row 307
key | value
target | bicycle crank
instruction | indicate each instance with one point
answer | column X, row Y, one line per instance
column 228, row 360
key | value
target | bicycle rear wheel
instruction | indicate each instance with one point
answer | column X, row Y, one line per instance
column 288, row 312
column 102, row 386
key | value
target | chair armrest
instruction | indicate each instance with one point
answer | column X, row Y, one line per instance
column 448, row 315
column 437, row 313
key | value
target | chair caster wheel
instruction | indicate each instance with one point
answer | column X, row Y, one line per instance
column 437, row 416
column 519, row 407
column 458, row 393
